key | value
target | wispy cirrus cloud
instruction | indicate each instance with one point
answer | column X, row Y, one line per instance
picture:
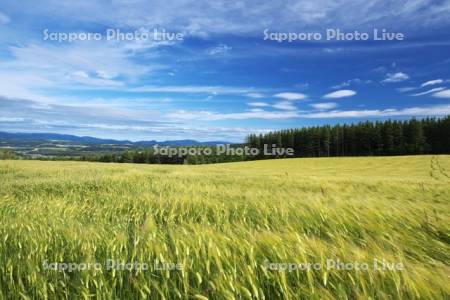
column 407, row 89
column 432, row 82
column 281, row 105
column 258, row 104
column 350, row 82
column 216, row 116
column 11, row 120
column 423, row 85
column 436, row 110
column 291, row 96
column 105, row 60
column 206, row 89
column 284, row 105
column 109, row 121
column 324, row 106
column 219, row 50
column 442, row 94
column 340, row 94
column 395, row 77
column 429, row 92
column 255, row 95
column 35, row 67
column 178, row 89
column 203, row 18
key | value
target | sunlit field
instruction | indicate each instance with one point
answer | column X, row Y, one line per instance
column 323, row 228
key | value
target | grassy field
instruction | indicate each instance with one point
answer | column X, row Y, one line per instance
column 252, row 230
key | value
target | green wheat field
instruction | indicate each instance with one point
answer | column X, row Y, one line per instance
column 250, row 230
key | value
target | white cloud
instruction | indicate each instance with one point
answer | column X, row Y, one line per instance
column 11, row 120
column 214, row 116
column 258, row 104
column 35, row 68
column 204, row 17
column 332, row 50
column 284, row 105
column 82, row 74
column 290, row 96
column 221, row 49
column 351, row 82
column 396, row 77
column 442, row 94
column 105, row 75
column 93, row 57
column 340, row 94
column 340, row 86
column 324, row 106
column 406, row 89
column 83, row 78
column 194, row 89
column 4, row 19
column 107, row 121
column 302, row 86
column 255, row 95
column 17, row 84
column 438, row 110
column 432, row 82
column 429, row 91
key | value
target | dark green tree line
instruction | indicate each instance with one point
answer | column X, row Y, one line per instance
column 426, row 136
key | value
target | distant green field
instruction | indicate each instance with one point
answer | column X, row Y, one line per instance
column 251, row 230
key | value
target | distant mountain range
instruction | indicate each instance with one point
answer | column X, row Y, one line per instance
column 8, row 136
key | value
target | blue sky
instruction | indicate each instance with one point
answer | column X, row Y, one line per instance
column 223, row 80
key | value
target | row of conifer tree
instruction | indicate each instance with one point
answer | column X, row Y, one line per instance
column 426, row 136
